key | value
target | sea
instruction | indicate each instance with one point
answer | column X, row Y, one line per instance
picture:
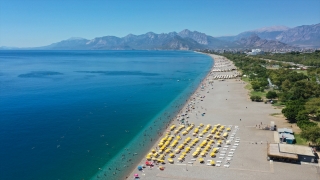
column 73, row 115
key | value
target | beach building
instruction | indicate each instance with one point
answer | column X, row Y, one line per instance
column 286, row 135
column 255, row 52
column 291, row 152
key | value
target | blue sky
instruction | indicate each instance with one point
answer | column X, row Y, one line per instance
column 30, row 23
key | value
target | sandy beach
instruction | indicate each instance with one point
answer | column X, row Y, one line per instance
column 227, row 103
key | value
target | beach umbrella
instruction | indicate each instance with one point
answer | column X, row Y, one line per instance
column 140, row 168
column 136, row 175
column 153, row 150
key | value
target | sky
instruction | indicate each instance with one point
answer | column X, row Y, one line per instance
column 32, row 23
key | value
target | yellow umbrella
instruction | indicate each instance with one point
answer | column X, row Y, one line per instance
column 212, row 162
column 213, row 154
column 171, row 155
column 170, row 160
column 201, row 160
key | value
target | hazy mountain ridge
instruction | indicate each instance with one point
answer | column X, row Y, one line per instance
column 306, row 35
column 301, row 35
column 254, row 41
column 266, row 38
column 183, row 40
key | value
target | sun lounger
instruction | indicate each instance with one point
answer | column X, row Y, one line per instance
column 222, row 154
column 218, row 165
column 219, row 161
column 226, row 146
column 231, row 152
column 230, row 155
column 236, row 144
column 221, row 157
column 226, row 166
column 232, row 149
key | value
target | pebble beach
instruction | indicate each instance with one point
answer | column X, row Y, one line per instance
column 242, row 154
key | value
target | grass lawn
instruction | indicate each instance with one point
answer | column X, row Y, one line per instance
column 252, row 92
column 258, row 93
column 302, row 71
column 300, row 140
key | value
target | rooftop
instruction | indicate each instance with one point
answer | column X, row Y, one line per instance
column 295, row 149
column 285, row 130
column 286, row 135
column 273, row 150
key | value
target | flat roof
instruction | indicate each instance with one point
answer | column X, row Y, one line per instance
column 281, row 130
column 295, row 149
column 285, row 135
column 273, row 150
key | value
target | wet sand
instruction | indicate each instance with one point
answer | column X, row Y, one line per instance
column 227, row 103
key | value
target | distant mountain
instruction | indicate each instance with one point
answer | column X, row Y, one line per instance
column 206, row 40
column 69, row 44
column 307, row 35
column 254, row 41
column 268, row 37
column 301, row 36
column 269, row 33
column 183, row 40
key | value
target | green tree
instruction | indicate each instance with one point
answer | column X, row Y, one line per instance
column 312, row 134
column 255, row 85
column 292, row 109
column 313, row 107
column 271, row 95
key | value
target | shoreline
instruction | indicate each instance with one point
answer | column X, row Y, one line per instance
column 134, row 167
column 180, row 101
column 172, row 120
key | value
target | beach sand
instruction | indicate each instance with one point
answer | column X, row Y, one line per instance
column 227, row 103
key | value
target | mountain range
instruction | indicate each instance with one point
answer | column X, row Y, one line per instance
column 276, row 37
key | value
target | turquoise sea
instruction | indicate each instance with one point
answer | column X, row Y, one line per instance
column 88, row 114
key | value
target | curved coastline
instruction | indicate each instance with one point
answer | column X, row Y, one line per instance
column 126, row 160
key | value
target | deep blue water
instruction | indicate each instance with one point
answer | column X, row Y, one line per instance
column 65, row 114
